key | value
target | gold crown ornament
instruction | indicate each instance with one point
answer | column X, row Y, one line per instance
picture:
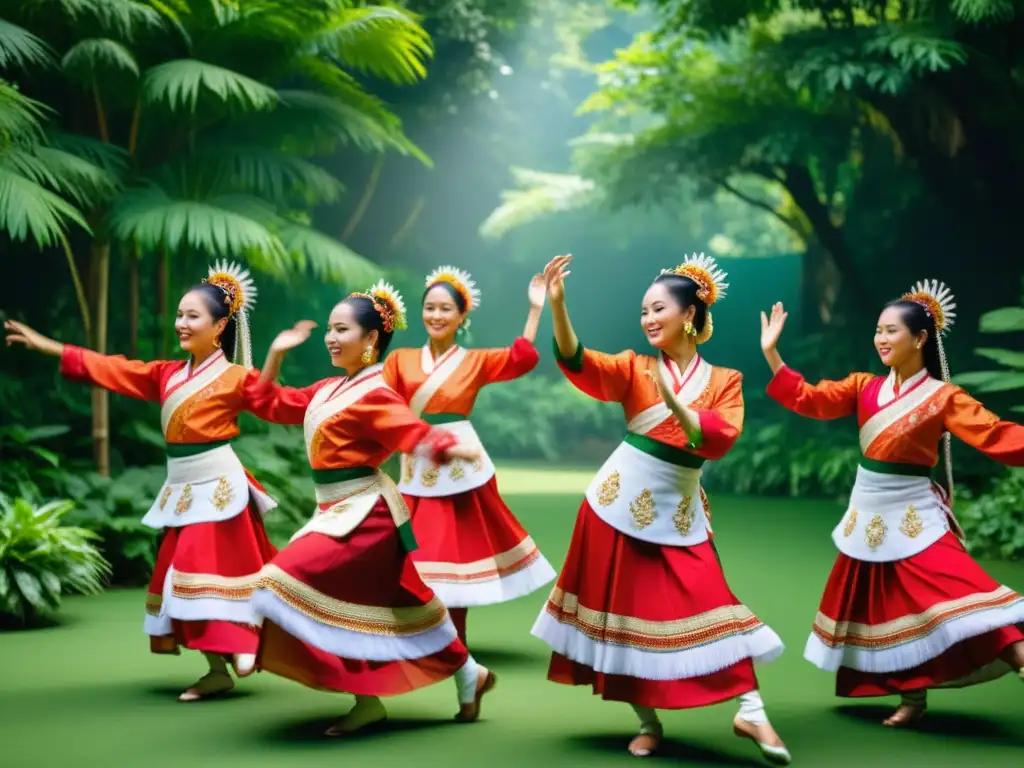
column 937, row 301
column 388, row 303
column 239, row 288
column 458, row 279
column 705, row 272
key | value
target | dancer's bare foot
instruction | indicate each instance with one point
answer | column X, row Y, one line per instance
column 244, row 664
column 905, row 716
column 368, row 711
column 767, row 740
column 486, row 680
column 647, row 741
column 213, row 683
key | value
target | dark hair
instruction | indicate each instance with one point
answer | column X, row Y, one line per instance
column 214, row 297
column 684, row 291
column 458, row 298
column 917, row 320
column 369, row 319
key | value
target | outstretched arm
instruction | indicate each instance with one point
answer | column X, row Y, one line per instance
column 536, row 294
column 554, row 276
column 969, row 420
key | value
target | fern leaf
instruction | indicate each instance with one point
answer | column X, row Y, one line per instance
column 179, row 83
column 380, row 40
column 20, row 48
column 91, row 60
column 29, row 212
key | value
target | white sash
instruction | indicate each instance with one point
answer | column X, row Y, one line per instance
column 331, row 399
column 183, row 384
column 422, row 477
column 694, row 381
column 649, row 499
column 205, row 488
column 350, row 502
column 896, row 410
column 890, row 517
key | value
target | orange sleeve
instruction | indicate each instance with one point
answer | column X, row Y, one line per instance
column 277, row 404
column 116, row 373
column 509, row 363
column 824, row 400
column 722, row 424
column 602, row 376
column 969, row 420
column 389, row 422
column 390, row 371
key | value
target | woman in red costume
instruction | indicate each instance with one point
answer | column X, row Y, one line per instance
column 472, row 551
column 642, row 612
column 906, row 608
column 344, row 607
column 210, row 508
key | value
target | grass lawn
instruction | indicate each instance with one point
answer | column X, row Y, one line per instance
column 88, row 693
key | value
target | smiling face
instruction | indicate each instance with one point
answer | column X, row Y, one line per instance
column 346, row 340
column 895, row 343
column 441, row 315
column 197, row 330
column 662, row 318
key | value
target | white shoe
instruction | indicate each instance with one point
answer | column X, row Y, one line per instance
column 244, row 664
column 775, row 755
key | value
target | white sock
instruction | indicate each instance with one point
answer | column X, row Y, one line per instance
column 217, row 662
column 917, row 699
column 752, row 708
column 649, row 722
column 466, row 680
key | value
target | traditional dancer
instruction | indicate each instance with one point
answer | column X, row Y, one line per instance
column 344, row 607
column 472, row 551
column 210, row 507
column 906, row 608
column 642, row 612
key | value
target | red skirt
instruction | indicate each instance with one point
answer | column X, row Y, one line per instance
column 650, row 625
column 472, row 549
column 932, row 620
column 213, row 567
column 352, row 615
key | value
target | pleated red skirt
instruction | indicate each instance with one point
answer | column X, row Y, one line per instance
column 932, row 620
column 661, row 622
column 220, row 562
column 473, row 550
column 353, row 592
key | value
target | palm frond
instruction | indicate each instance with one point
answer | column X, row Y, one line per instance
column 545, row 194
column 30, row 212
column 272, row 174
column 69, row 175
column 124, row 19
column 179, row 83
column 976, row 11
column 379, row 40
column 94, row 59
column 21, row 118
column 326, row 257
column 218, row 226
column 20, row 48
column 110, row 157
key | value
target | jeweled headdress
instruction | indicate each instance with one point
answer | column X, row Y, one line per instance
column 458, row 279
column 705, row 272
column 937, row 301
column 388, row 303
column 240, row 296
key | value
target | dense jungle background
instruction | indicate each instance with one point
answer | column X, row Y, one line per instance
column 828, row 152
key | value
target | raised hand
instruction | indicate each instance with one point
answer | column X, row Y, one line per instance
column 537, row 292
column 19, row 333
column 771, row 327
column 667, row 395
column 554, row 274
column 293, row 337
column 463, row 451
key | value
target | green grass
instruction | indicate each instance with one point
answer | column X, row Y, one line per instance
column 88, row 693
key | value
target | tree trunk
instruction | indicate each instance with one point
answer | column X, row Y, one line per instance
column 162, row 269
column 133, row 301
column 100, row 268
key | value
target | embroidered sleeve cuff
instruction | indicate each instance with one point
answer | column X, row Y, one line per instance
column 784, row 387
column 574, row 363
column 717, row 435
column 72, row 363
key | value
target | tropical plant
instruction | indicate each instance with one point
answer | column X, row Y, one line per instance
column 993, row 521
column 196, row 127
column 1011, row 377
column 42, row 560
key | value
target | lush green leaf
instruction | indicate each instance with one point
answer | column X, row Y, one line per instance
column 380, row 40
column 20, row 48
column 1003, row 356
column 327, row 257
column 91, row 61
column 30, row 212
column 178, row 84
column 1005, row 320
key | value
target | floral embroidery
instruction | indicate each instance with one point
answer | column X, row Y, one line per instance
column 851, row 522
column 185, row 500
column 874, row 533
column 223, row 494
column 609, row 490
column 684, row 516
column 911, row 525
column 642, row 509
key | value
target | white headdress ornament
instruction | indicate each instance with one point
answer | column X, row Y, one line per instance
column 458, row 279
column 937, row 301
column 240, row 296
column 706, row 273
column 388, row 302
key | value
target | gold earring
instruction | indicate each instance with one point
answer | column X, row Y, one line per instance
column 216, row 342
column 367, row 355
column 689, row 329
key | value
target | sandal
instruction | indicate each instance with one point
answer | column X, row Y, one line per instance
column 647, row 741
column 211, row 684
column 776, row 754
column 470, row 713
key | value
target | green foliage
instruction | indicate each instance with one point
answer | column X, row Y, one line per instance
column 1010, row 378
column 994, row 521
column 41, row 559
